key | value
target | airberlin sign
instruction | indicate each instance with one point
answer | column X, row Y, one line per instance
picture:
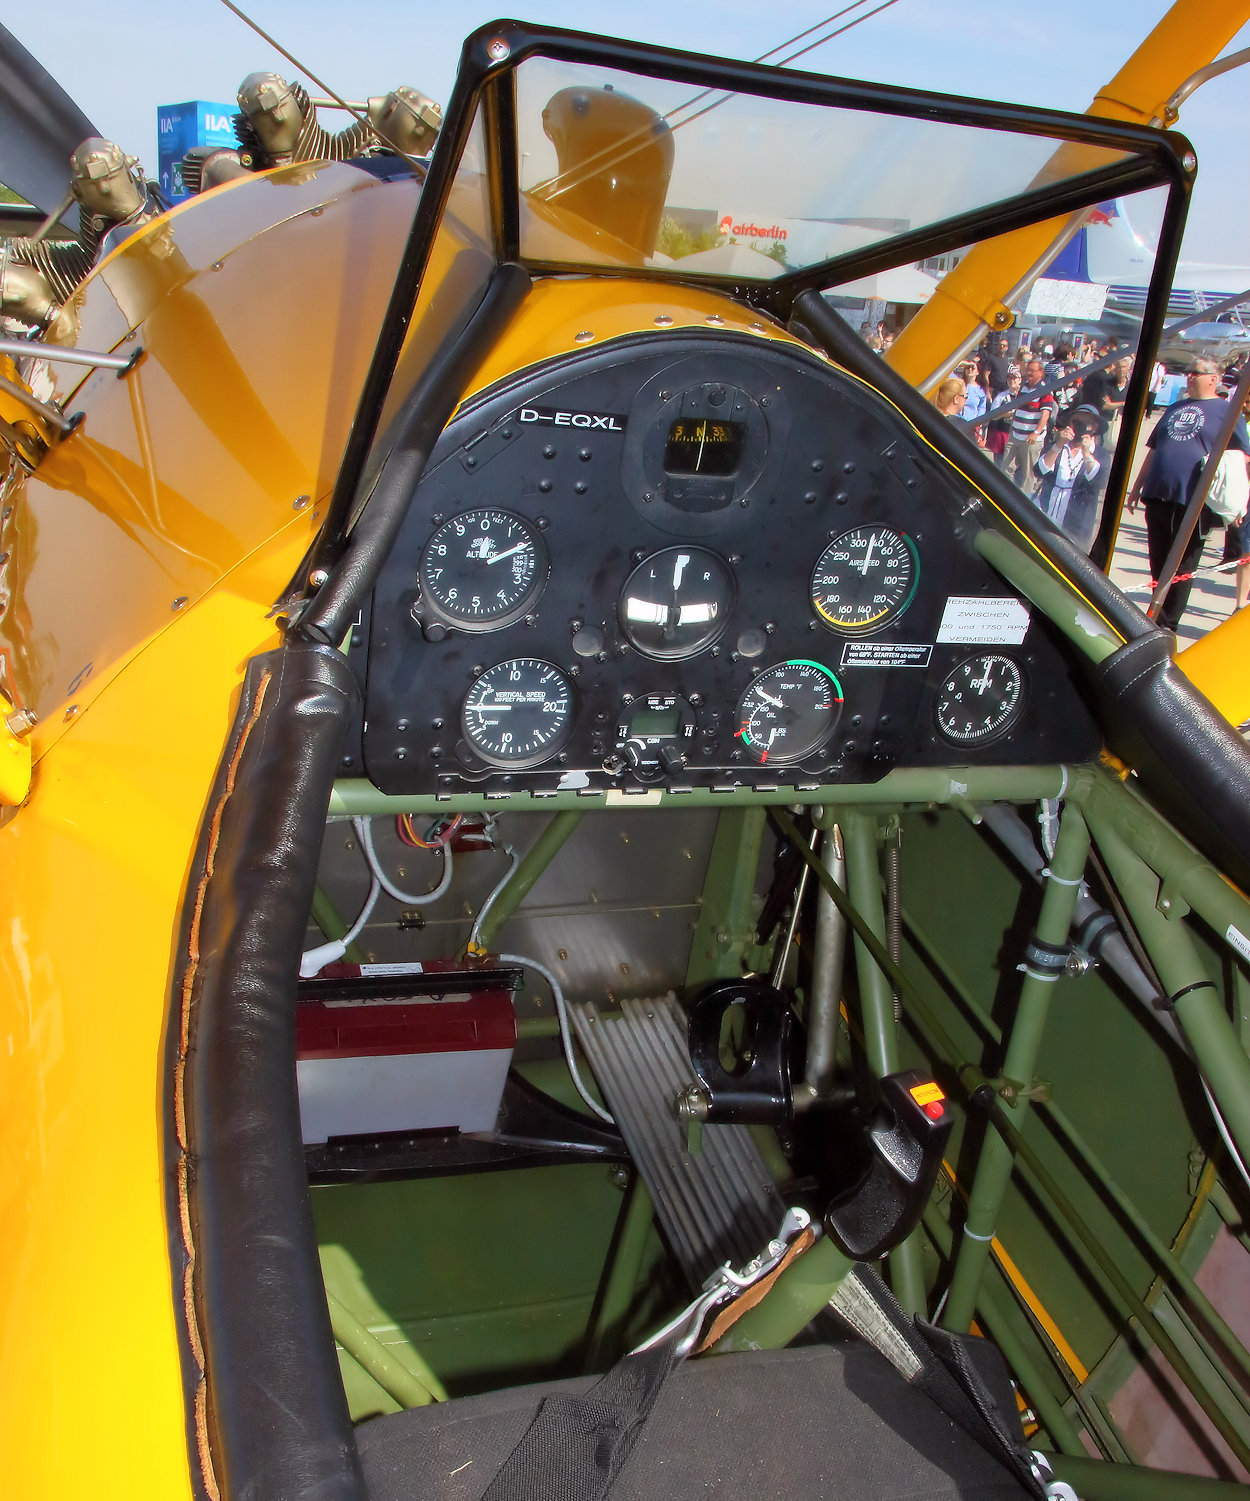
column 749, row 230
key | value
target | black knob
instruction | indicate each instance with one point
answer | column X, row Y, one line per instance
column 671, row 760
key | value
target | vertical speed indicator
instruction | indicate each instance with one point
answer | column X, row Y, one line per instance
column 864, row 580
column 788, row 711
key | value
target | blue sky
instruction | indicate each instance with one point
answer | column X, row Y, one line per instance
column 1057, row 53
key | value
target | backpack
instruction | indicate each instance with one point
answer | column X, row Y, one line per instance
column 1230, row 488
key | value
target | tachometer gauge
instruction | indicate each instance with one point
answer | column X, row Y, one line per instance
column 483, row 569
column 865, row 579
column 788, row 711
column 518, row 713
column 981, row 699
column 677, row 602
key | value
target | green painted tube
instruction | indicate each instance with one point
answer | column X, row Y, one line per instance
column 863, row 875
column 1095, row 1480
column 791, row 1303
column 533, row 863
column 1190, row 880
column 622, row 1283
column 1200, row 1010
column 1087, row 631
column 325, row 915
column 994, row 1167
column 1024, row 1368
column 955, row 786
column 408, row 1388
column 1167, row 1262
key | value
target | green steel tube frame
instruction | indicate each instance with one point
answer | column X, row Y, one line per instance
column 408, row 1388
column 863, row 875
column 993, row 1170
column 531, row 866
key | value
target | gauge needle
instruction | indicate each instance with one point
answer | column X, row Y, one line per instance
column 498, row 557
column 868, row 555
column 769, row 699
column 698, row 462
column 683, row 560
column 983, row 683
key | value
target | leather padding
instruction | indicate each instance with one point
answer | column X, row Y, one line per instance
column 268, row 1414
column 1179, row 745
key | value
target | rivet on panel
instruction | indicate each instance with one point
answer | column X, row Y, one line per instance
column 300, row 502
column 662, row 320
column 179, row 604
column 71, row 712
column 715, row 320
column 584, row 337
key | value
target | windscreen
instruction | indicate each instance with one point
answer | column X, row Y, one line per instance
column 618, row 168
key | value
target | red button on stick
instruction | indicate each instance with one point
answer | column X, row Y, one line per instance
column 934, row 1110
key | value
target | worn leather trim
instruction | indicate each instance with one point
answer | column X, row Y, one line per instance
column 1157, row 721
column 266, row 1412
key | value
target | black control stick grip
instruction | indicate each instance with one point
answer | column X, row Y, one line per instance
column 906, row 1139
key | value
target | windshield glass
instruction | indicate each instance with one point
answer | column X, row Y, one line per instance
column 617, row 168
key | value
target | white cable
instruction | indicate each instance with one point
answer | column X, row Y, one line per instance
column 1222, row 1128
column 566, row 1035
column 364, row 832
column 490, row 900
column 315, row 960
column 1048, row 819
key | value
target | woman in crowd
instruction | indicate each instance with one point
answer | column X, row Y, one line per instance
column 950, row 396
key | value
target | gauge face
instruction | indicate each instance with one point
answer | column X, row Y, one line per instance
column 981, row 699
column 677, row 602
column 518, row 713
column 483, row 569
column 788, row 712
column 865, row 579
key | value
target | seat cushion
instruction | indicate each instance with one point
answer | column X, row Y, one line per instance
column 827, row 1421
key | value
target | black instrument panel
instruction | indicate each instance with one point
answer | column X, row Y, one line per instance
column 697, row 560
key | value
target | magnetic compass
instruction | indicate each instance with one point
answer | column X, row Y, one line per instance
column 788, row 711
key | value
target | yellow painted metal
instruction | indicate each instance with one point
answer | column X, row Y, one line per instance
column 14, row 760
column 1216, row 664
column 257, row 334
column 93, row 871
column 1191, row 34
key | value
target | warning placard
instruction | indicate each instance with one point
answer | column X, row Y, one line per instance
column 973, row 620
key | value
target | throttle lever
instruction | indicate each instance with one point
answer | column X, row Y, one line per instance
column 906, row 1139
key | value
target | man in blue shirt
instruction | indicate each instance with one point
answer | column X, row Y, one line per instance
column 1178, row 446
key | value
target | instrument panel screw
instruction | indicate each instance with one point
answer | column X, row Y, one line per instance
column 318, row 577
column 497, row 49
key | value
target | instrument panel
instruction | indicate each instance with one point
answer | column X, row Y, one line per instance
column 697, row 560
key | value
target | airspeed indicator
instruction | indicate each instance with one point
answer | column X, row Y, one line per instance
column 864, row 580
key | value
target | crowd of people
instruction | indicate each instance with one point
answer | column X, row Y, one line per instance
column 1059, row 430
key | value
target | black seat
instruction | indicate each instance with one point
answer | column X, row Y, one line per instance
column 827, row 1421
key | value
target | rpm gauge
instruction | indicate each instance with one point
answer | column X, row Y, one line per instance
column 518, row 713
column 981, row 699
column 788, row 711
column 677, row 602
column 865, row 579
column 483, row 569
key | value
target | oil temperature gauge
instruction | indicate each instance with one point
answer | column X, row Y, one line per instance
column 981, row 699
column 788, row 711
